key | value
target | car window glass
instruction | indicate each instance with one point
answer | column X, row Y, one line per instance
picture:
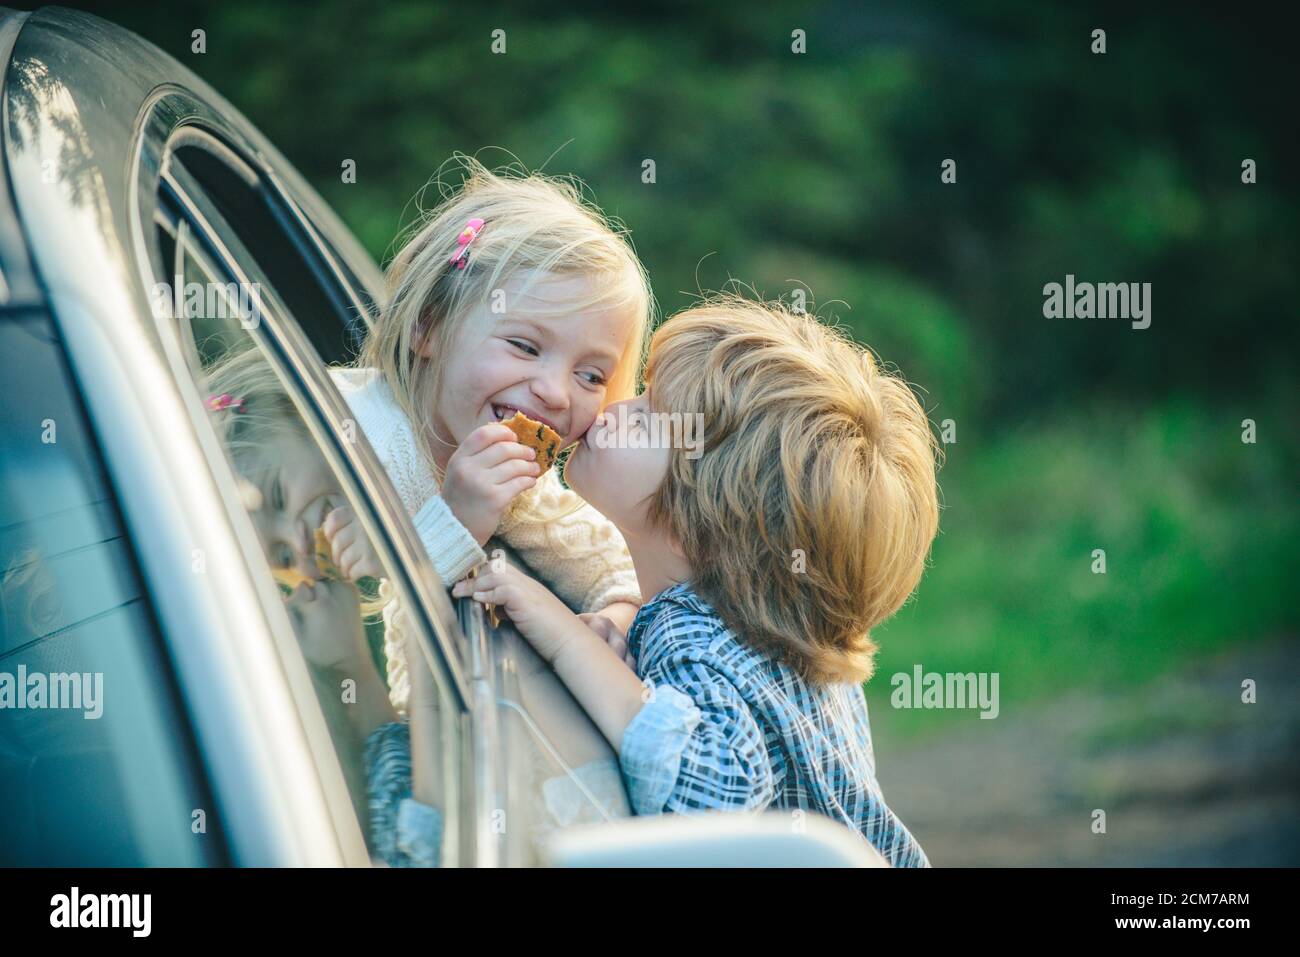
column 337, row 594
column 563, row 772
column 97, row 764
column 330, row 310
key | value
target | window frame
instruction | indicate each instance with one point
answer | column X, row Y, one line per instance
column 298, row 365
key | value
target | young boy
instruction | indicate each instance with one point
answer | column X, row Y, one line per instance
column 765, row 554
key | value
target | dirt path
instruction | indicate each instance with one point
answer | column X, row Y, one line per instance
column 1186, row 773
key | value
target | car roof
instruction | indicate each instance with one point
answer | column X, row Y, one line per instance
column 76, row 91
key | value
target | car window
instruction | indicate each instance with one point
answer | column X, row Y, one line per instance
column 311, row 281
column 97, row 761
column 563, row 773
column 316, row 533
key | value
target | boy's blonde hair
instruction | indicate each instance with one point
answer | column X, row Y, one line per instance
column 532, row 223
column 808, row 516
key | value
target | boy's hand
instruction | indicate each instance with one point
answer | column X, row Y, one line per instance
column 350, row 546
column 484, row 475
column 621, row 613
column 611, row 634
column 541, row 618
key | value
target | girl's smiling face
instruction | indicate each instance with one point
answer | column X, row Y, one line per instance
column 540, row 356
column 297, row 491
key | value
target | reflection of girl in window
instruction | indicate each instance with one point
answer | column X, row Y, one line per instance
column 288, row 489
column 291, row 493
column 327, row 618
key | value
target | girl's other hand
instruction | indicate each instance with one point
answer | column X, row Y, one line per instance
column 484, row 475
column 541, row 618
column 350, row 546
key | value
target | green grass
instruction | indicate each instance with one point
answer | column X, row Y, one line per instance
column 1199, row 529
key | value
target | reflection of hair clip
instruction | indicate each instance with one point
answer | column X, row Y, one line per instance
column 467, row 236
column 217, row 403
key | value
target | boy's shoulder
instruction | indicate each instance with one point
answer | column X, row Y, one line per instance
column 680, row 623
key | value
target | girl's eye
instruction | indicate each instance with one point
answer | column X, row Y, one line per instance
column 523, row 346
column 595, row 378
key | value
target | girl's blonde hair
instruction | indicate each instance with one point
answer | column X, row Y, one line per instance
column 808, row 516
column 533, row 224
column 265, row 411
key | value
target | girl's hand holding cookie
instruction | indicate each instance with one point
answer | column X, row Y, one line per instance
column 484, row 475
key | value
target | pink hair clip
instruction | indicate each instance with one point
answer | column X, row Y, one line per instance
column 467, row 236
column 225, row 401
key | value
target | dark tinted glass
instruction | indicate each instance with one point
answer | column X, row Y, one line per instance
column 96, row 764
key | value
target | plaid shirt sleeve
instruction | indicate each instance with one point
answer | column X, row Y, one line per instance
column 695, row 745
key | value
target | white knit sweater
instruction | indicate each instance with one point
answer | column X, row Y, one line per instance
column 580, row 556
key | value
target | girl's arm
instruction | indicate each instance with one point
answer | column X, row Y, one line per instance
column 608, row 690
column 686, row 738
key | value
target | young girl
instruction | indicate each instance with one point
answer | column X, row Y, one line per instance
column 765, row 558
column 513, row 295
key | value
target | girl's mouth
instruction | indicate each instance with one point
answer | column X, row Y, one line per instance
column 503, row 412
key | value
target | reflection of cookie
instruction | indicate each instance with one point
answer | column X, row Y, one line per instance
column 290, row 578
column 324, row 560
column 542, row 439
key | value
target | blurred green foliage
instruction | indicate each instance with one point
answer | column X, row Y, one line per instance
column 822, row 170
column 1198, row 530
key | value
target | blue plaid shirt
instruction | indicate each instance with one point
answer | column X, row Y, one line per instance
column 728, row 727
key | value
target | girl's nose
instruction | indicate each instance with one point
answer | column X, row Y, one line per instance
column 550, row 389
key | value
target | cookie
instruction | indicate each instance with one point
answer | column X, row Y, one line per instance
column 542, row 439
